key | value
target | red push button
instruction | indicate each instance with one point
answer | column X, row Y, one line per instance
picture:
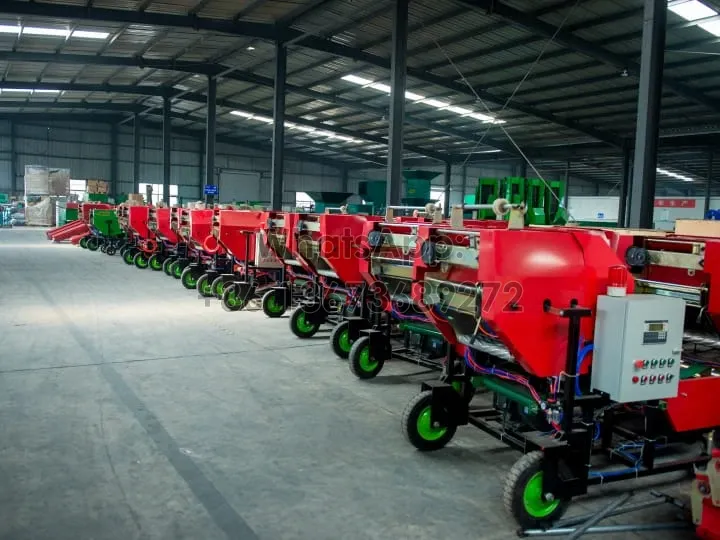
column 639, row 364
column 635, row 379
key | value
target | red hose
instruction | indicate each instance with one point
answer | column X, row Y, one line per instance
column 211, row 244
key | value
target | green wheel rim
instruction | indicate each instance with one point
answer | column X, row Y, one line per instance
column 233, row 300
column 303, row 325
column 128, row 257
column 155, row 263
column 219, row 288
column 142, row 262
column 535, row 505
column 274, row 306
column 177, row 270
column 344, row 341
column 207, row 288
column 190, row 281
column 425, row 428
column 366, row 363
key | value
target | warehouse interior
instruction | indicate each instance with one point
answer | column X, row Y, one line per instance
column 132, row 408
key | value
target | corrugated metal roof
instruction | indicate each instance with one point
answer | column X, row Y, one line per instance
column 566, row 95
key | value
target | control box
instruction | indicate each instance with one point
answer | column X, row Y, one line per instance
column 638, row 346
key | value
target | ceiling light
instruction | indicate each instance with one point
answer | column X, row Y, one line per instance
column 45, row 91
column 290, row 125
column 460, row 110
column 435, row 103
column 356, row 80
column 242, row 113
column 261, row 118
column 9, row 29
column 482, row 117
column 692, row 10
column 713, row 27
column 322, row 133
column 674, row 175
column 306, row 129
column 17, row 90
column 412, row 96
column 46, row 32
column 250, row 48
column 90, row 34
column 380, row 86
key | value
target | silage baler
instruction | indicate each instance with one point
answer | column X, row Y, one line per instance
column 202, row 259
column 167, row 240
column 254, row 273
column 591, row 380
column 142, row 242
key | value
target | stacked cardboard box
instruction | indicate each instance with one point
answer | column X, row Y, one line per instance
column 135, row 199
column 97, row 186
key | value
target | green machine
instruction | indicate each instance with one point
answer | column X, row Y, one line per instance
column 535, row 195
column 543, row 200
column 327, row 200
column 97, row 197
column 106, row 223
column 487, row 190
column 417, row 187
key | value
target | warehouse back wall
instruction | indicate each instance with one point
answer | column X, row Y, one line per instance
column 85, row 149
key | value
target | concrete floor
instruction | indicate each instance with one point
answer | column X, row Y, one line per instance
column 132, row 409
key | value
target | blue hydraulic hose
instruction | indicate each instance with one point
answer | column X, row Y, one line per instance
column 582, row 353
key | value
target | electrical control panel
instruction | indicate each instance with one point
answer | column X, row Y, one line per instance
column 637, row 347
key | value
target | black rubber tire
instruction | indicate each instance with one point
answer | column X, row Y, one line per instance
column 166, row 266
column 227, row 294
column 175, row 270
column 217, row 288
column 140, row 260
column 513, row 494
column 410, row 417
column 110, row 250
column 355, row 360
column 93, row 243
column 187, row 278
column 298, row 315
column 83, row 242
column 128, row 256
column 279, row 299
column 153, row 262
column 103, row 248
column 201, row 284
column 336, row 338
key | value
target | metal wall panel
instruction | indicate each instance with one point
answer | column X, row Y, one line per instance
column 84, row 148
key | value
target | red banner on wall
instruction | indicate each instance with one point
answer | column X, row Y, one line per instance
column 675, row 203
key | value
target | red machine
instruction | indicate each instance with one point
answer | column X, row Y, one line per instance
column 166, row 239
column 594, row 384
column 78, row 229
column 142, row 242
column 254, row 270
column 706, row 497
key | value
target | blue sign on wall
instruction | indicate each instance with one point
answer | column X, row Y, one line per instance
column 211, row 190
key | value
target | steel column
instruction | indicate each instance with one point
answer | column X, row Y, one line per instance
column 210, row 136
column 448, row 180
column 15, row 183
column 114, row 144
column 344, row 172
column 522, row 169
column 642, row 195
column 566, row 200
column 624, row 186
column 708, row 184
column 136, row 153
column 166, row 144
column 278, row 140
column 398, row 69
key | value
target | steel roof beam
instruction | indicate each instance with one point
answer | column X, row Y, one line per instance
column 197, row 67
column 568, row 39
column 266, row 31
